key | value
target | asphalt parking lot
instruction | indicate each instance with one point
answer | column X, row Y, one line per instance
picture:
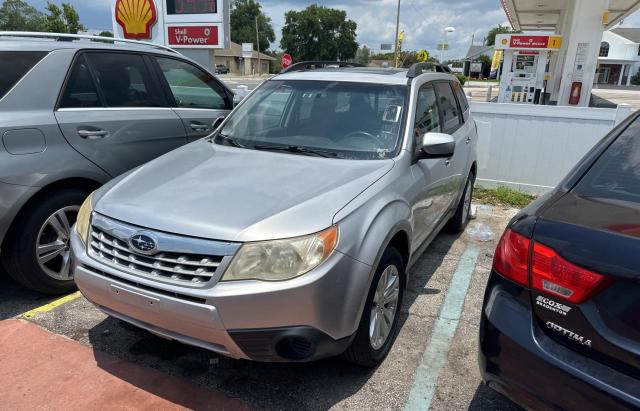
column 414, row 375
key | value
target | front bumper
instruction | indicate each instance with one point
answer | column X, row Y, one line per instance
column 303, row 319
column 518, row 359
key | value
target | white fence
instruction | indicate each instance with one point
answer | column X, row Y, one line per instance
column 531, row 148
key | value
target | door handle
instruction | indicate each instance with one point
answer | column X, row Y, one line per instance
column 199, row 127
column 468, row 140
column 93, row 134
column 447, row 162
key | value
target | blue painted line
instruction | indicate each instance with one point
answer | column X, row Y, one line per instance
column 435, row 355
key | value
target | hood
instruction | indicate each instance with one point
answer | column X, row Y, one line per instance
column 233, row 194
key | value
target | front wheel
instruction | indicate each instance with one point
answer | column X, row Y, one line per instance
column 459, row 221
column 379, row 323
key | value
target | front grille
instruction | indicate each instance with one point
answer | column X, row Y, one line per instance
column 180, row 268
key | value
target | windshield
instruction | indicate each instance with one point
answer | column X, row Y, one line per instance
column 347, row 120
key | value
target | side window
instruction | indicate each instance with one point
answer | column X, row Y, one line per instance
column 14, row 65
column 616, row 174
column 448, row 107
column 192, row 87
column 80, row 91
column 462, row 99
column 124, row 80
column 427, row 118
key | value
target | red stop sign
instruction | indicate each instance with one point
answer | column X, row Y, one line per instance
column 286, row 60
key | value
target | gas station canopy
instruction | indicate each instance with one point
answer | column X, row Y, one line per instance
column 548, row 15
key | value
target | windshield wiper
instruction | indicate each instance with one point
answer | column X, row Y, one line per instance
column 230, row 140
column 297, row 149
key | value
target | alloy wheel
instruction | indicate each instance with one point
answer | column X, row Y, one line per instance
column 384, row 307
column 53, row 243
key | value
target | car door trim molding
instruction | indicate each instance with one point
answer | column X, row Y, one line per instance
column 129, row 108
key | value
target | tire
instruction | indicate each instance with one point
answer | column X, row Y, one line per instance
column 19, row 255
column 363, row 351
column 460, row 219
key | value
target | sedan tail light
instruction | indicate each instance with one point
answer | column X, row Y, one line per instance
column 512, row 257
column 527, row 262
column 553, row 274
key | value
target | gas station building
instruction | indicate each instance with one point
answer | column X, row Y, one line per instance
column 570, row 71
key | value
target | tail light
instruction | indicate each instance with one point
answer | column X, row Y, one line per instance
column 512, row 257
column 553, row 274
column 526, row 262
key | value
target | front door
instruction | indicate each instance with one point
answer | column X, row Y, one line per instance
column 430, row 175
column 113, row 112
column 199, row 99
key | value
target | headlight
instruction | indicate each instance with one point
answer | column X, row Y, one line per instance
column 84, row 217
column 282, row 259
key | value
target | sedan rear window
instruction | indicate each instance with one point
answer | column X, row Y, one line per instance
column 616, row 174
column 14, row 65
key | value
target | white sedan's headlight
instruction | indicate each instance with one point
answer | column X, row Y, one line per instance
column 282, row 259
column 84, row 217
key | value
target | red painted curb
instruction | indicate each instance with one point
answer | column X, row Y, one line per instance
column 41, row 370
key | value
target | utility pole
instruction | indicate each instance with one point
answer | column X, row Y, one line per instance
column 258, row 48
column 397, row 34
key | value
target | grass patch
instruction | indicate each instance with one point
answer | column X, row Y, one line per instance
column 503, row 196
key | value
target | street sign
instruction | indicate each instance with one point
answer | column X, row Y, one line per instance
column 386, row 47
column 286, row 60
column 475, row 67
column 247, row 50
column 443, row 46
column 423, row 55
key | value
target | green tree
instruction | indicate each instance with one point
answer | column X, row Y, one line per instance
column 363, row 55
column 490, row 40
column 105, row 33
column 17, row 15
column 62, row 20
column 243, row 24
column 319, row 33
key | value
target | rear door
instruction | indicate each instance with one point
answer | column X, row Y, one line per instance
column 113, row 111
column 197, row 97
column 595, row 228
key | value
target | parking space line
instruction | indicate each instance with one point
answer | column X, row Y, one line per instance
column 435, row 355
column 50, row 306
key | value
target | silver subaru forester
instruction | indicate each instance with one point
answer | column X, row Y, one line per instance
column 287, row 234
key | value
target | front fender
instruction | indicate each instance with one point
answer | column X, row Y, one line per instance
column 365, row 232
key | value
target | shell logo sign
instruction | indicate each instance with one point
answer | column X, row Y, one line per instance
column 136, row 17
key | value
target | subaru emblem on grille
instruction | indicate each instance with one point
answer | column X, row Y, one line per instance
column 142, row 243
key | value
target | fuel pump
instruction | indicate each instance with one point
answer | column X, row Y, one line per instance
column 524, row 68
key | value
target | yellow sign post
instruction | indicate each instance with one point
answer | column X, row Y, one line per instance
column 423, row 55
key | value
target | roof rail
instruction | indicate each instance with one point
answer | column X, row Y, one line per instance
column 418, row 68
column 62, row 36
column 304, row 65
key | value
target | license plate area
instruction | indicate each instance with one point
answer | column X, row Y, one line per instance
column 136, row 299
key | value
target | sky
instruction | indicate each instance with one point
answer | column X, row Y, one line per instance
column 422, row 20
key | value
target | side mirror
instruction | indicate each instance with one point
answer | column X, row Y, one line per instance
column 239, row 93
column 438, row 145
column 216, row 123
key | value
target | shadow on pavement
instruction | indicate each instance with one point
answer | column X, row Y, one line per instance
column 487, row 399
column 317, row 385
column 15, row 299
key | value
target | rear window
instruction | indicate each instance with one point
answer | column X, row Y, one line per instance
column 14, row 65
column 616, row 174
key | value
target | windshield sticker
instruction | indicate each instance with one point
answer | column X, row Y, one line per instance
column 551, row 305
column 392, row 114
